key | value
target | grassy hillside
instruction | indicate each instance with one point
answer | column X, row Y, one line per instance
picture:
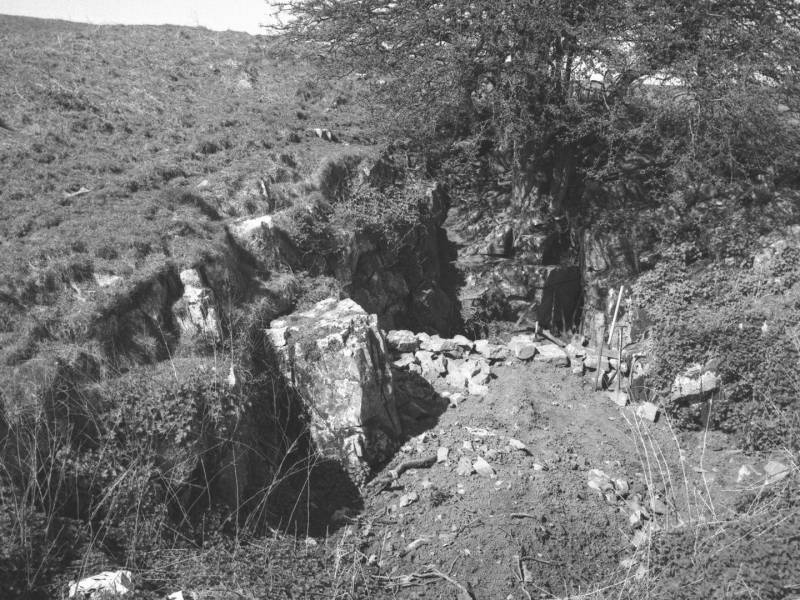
column 125, row 148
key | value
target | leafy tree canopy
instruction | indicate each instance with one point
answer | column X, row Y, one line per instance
column 572, row 89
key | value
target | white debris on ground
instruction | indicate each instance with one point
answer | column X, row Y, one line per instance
column 108, row 584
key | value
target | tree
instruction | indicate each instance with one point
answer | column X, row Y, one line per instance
column 572, row 89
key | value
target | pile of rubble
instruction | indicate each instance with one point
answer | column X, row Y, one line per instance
column 464, row 365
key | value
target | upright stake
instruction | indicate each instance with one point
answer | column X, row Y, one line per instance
column 616, row 311
column 599, row 360
column 619, row 361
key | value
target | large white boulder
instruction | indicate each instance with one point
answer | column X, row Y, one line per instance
column 335, row 357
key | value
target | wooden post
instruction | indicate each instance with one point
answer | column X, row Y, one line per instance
column 616, row 312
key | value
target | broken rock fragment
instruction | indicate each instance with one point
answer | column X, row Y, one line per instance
column 477, row 389
column 195, row 311
column 482, row 467
column 694, row 382
column 402, row 340
column 647, row 411
column 405, row 362
column 746, row 473
column 432, row 365
column 522, row 347
column 456, row 399
column 552, row 354
column 599, row 481
column 464, row 467
column 517, row 444
column 491, row 351
column 408, row 499
column 460, row 372
column 775, row 471
column 108, row 584
column 438, row 344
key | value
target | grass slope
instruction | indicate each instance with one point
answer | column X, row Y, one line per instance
column 107, row 132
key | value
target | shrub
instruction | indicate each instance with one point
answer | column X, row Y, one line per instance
column 134, row 463
column 718, row 312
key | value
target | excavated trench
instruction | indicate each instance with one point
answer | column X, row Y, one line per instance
column 261, row 460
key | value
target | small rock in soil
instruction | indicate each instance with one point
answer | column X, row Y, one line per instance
column 648, row 411
column 483, row 468
column 477, row 389
column 518, row 445
column 527, row 574
column 775, row 471
column 464, row 467
column 522, row 347
column 636, row 513
column 442, row 454
column 621, row 487
column 456, row 399
column 657, row 506
column 639, row 539
column 552, row 354
column 618, row 398
column 407, row 499
column 416, row 544
column 746, row 473
column 599, row 481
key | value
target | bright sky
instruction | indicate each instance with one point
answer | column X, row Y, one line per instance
column 238, row 15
